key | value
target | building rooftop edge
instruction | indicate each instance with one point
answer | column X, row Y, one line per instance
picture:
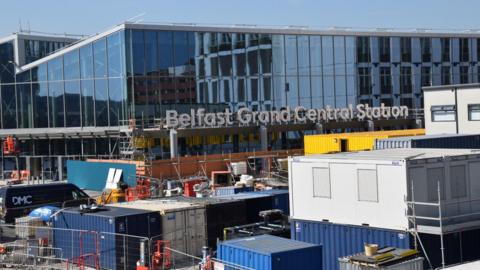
column 245, row 28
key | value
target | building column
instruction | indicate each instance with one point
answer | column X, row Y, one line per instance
column 370, row 125
column 263, row 138
column 173, row 143
column 319, row 128
column 60, row 168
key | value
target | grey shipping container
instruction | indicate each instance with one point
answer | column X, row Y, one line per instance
column 413, row 264
column 340, row 240
column 220, row 214
column 462, row 141
column 108, row 225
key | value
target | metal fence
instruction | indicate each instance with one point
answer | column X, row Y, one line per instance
column 43, row 247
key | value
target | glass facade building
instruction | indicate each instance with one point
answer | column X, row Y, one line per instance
column 140, row 71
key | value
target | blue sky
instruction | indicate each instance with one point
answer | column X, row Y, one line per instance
column 89, row 16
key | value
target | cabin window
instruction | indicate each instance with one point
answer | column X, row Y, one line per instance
column 321, row 183
column 435, row 177
column 367, row 185
column 458, row 182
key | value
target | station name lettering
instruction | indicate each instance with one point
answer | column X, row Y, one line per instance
column 300, row 114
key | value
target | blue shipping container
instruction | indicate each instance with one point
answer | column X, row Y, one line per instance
column 71, row 226
column 268, row 252
column 93, row 175
column 340, row 240
column 221, row 191
column 463, row 141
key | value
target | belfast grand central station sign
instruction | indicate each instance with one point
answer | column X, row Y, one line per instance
column 300, row 114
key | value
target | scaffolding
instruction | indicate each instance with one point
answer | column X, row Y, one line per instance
column 439, row 223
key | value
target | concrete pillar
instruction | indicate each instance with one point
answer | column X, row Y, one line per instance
column 418, row 123
column 60, row 168
column 370, row 125
column 173, row 143
column 263, row 138
column 319, row 128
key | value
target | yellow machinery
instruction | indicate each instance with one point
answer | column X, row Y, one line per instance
column 355, row 141
column 111, row 196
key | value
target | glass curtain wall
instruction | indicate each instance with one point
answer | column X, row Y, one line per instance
column 83, row 87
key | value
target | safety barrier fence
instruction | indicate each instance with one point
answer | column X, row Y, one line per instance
column 44, row 247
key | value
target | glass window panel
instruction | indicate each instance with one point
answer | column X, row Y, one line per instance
column 56, row 92
column 115, row 50
column 328, row 71
column 240, row 63
column 364, row 81
column 316, row 71
column 363, row 49
column 266, row 60
column 384, row 49
column 426, row 47
column 165, row 47
column 87, row 86
column 252, row 58
column 116, row 100
column 446, row 76
column 304, row 71
column 267, row 88
column 71, row 63
column 24, row 100
column 100, row 58
column 445, row 43
column 385, row 80
column 406, row 80
column 406, row 49
column 226, row 90
column 426, row 79
column 241, row 90
column 141, row 99
column 278, row 65
column 291, row 64
column 464, row 50
column 254, row 89
column 181, row 53
column 226, row 65
column 340, row 69
column 40, row 96
column 351, row 71
column 474, row 112
column 138, row 52
column 151, row 56
column 101, row 102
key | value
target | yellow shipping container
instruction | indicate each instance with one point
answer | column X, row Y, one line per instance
column 355, row 141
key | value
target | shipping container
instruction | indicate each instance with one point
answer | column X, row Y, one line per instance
column 109, row 225
column 220, row 214
column 182, row 223
column 270, row 253
column 340, row 240
column 370, row 187
column 255, row 202
column 354, row 141
column 462, row 141
column 221, row 191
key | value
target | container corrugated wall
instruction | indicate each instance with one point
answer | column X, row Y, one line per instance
column 434, row 141
column 68, row 224
column 222, row 191
column 305, row 258
column 413, row 264
column 342, row 240
column 355, row 141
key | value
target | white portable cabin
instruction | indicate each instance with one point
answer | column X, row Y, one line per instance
column 375, row 188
